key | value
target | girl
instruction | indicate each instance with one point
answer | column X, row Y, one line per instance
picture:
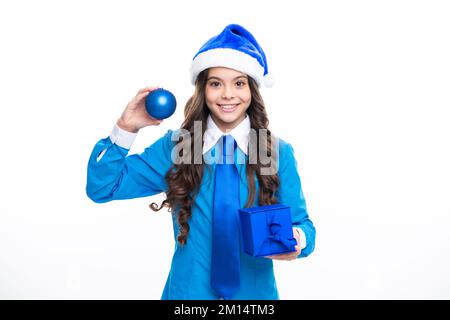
column 226, row 106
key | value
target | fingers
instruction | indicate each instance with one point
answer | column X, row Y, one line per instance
column 150, row 121
column 156, row 122
column 146, row 90
column 286, row 256
column 139, row 97
column 296, row 235
column 143, row 93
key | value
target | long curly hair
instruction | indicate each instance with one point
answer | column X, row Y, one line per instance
column 184, row 179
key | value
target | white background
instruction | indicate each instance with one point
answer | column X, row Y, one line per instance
column 362, row 94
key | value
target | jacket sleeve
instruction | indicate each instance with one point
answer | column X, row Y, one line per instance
column 113, row 175
column 290, row 193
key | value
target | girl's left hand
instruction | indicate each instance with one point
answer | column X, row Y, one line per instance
column 290, row 255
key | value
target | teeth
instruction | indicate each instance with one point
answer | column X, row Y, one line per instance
column 228, row 106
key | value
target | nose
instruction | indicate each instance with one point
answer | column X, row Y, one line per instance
column 227, row 92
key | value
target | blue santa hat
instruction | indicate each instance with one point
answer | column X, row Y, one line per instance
column 234, row 48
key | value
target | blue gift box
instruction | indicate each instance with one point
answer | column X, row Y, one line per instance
column 267, row 230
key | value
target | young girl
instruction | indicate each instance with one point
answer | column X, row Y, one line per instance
column 227, row 72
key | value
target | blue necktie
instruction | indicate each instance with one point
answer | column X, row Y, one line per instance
column 225, row 257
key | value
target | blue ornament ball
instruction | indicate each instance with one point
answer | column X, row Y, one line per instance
column 160, row 103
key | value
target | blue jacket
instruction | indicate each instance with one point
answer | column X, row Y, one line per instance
column 118, row 176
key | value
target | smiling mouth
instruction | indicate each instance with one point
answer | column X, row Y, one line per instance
column 228, row 107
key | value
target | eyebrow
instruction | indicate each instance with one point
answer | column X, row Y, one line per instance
column 242, row 76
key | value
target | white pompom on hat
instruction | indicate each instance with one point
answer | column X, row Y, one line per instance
column 233, row 48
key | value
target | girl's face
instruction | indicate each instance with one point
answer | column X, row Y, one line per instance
column 228, row 96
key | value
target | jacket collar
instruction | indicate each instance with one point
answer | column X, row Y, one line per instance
column 239, row 133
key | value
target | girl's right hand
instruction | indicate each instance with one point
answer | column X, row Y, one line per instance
column 135, row 116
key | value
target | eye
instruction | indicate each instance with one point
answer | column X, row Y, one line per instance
column 240, row 83
column 214, row 83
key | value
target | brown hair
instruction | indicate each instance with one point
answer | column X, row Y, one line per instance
column 184, row 179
